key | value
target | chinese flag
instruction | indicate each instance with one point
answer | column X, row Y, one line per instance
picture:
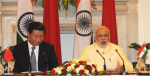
column 51, row 22
column 8, row 55
column 109, row 19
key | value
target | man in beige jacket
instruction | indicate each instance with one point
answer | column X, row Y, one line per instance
column 107, row 49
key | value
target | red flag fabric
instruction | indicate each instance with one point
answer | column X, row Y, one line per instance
column 51, row 22
column 109, row 19
column 8, row 55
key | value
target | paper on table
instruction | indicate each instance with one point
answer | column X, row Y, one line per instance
column 31, row 72
column 8, row 73
column 110, row 68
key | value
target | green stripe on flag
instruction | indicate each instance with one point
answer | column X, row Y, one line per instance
column 91, row 38
column 19, row 39
column 144, row 54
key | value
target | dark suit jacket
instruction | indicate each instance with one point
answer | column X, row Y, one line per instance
column 22, row 58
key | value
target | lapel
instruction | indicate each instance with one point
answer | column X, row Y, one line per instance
column 41, row 56
column 26, row 51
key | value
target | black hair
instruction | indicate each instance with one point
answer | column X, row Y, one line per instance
column 36, row 26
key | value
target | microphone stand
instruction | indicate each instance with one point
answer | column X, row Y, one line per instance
column 103, row 58
column 46, row 59
column 122, row 73
column 30, row 74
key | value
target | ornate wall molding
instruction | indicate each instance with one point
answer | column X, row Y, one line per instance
column 12, row 9
column 8, row 30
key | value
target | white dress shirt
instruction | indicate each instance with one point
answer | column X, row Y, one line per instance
column 36, row 51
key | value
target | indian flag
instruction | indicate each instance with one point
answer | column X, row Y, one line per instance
column 83, row 27
column 25, row 16
column 142, row 52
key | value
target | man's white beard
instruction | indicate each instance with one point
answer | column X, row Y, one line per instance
column 99, row 43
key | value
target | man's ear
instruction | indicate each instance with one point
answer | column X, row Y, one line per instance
column 94, row 38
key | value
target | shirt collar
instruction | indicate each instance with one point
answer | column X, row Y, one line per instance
column 102, row 50
column 30, row 46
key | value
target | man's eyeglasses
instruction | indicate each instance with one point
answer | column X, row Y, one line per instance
column 105, row 35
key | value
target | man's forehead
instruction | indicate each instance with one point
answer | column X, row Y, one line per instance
column 102, row 34
column 102, row 31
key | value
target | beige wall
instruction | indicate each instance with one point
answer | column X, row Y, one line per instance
column 144, row 24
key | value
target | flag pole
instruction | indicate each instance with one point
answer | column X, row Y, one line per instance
column 144, row 66
column 8, row 61
column 8, row 56
column 8, row 67
column 144, row 61
column 144, row 58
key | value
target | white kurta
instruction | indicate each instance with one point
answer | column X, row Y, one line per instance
column 111, row 56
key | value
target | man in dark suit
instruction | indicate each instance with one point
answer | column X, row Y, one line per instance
column 34, row 50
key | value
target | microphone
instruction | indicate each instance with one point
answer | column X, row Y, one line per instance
column 123, row 73
column 46, row 60
column 103, row 58
column 30, row 74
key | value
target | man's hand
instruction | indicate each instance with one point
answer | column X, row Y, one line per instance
column 119, row 69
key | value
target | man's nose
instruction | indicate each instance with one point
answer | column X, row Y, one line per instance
column 38, row 39
column 103, row 37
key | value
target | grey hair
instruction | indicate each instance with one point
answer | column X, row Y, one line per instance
column 102, row 27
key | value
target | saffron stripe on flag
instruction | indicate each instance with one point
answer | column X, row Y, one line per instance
column 78, row 3
column 144, row 54
column 141, row 49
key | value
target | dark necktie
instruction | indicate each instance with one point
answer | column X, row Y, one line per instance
column 33, row 59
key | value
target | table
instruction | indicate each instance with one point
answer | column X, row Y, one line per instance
column 113, row 74
column 133, row 73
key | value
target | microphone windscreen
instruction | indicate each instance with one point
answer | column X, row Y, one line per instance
column 116, row 50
